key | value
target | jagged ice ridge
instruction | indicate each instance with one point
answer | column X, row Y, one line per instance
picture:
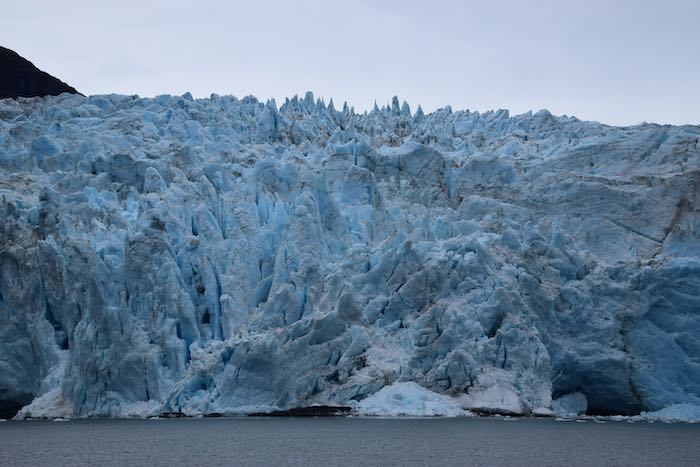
column 224, row 255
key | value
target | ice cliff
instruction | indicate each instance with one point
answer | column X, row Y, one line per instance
column 225, row 255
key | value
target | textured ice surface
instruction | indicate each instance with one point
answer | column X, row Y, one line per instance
column 225, row 255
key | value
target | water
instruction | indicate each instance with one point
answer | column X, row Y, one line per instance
column 347, row 441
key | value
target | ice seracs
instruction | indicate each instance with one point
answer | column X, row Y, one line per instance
column 180, row 255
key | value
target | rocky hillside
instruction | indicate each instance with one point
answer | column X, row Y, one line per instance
column 20, row 78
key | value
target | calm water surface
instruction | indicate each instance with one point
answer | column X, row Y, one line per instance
column 347, row 441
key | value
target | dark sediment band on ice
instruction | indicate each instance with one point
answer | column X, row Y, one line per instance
column 312, row 411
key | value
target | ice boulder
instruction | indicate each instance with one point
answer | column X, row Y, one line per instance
column 570, row 405
column 409, row 399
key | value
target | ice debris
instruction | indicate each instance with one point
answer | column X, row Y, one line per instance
column 409, row 399
column 675, row 413
column 570, row 405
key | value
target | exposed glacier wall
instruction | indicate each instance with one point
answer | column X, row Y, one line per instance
column 224, row 255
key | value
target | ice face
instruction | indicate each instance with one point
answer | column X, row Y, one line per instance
column 224, row 255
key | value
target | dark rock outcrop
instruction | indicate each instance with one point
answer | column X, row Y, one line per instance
column 20, row 78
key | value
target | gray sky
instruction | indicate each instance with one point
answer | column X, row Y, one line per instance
column 615, row 61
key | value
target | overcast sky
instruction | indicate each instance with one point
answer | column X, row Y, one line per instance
column 618, row 62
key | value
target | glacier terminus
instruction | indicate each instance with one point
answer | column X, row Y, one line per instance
column 223, row 255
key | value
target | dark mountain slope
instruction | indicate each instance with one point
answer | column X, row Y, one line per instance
column 20, row 78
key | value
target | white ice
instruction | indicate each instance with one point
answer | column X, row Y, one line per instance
column 409, row 399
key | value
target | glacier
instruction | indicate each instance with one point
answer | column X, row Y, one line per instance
column 224, row 255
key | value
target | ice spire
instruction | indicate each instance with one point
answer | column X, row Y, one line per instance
column 309, row 101
column 395, row 109
column 419, row 115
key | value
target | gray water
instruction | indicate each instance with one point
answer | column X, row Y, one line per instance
column 347, row 441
